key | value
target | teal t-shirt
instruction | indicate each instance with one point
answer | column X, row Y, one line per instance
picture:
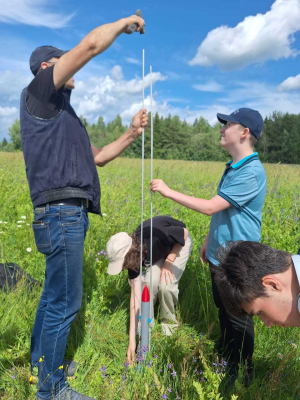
column 244, row 186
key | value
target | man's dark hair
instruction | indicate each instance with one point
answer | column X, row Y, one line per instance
column 242, row 266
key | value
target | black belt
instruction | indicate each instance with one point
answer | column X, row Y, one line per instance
column 67, row 202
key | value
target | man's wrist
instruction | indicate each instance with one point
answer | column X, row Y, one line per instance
column 122, row 25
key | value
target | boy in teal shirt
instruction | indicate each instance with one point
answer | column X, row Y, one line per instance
column 236, row 213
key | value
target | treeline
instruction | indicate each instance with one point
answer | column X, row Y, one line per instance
column 176, row 139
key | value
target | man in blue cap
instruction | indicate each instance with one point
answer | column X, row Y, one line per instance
column 236, row 213
column 64, row 186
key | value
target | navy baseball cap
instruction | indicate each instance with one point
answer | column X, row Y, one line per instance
column 247, row 117
column 43, row 53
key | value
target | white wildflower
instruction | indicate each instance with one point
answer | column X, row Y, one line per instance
column 104, row 215
column 23, row 216
column 28, row 249
column 19, row 226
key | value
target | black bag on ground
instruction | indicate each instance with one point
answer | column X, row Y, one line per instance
column 11, row 274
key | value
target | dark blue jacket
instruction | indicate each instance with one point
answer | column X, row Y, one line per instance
column 58, row 157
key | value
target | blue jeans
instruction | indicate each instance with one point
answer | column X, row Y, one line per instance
column 59, row 234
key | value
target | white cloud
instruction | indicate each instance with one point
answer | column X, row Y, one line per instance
column 132, row 60
column 209, row 112
column 257, row 95
column 8, row 111
column 211, row 86
column 32, row 12
column 135, row 86
column 117, row 73
column 174, row 76
column 105, row 96
column 109, row 95
column 254, row 40
column 262, row 97
column 291, row 83
column 12, row 83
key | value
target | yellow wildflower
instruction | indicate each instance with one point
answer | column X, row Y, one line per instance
column 61, row 367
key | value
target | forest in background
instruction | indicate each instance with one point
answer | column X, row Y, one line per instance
column 177, row 140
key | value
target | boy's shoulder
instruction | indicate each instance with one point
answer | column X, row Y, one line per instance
column 252, row 167
column 250, row 173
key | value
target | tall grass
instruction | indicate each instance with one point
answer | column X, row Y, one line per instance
column 183, row 366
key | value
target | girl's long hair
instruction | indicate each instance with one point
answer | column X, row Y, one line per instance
column 132, row 258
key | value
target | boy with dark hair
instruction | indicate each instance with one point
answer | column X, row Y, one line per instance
column 256, row 279
column 236, row 213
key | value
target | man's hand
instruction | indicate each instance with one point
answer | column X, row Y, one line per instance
column 166, row 272
column 134, row 19
column 114, row 149
column 203, row 250
column 158, row 185
column 139, row 121
column 131, row 351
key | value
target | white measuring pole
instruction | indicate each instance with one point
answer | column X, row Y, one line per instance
column 142, row 198
column 151, row 211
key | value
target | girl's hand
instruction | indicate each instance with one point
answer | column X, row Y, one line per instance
column 131, row 351
column 166, row 273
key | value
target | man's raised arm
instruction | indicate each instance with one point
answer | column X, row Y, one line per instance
column 93, row 44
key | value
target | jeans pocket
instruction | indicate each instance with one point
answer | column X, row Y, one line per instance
column 42, row 236
column 70, row 216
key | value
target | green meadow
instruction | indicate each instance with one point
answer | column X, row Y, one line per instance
column 183, row 366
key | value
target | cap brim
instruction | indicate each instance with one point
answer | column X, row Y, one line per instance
column 114, row 268
column 223, row 118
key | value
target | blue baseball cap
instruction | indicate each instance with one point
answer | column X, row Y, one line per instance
column 247, row 117
column 43, row 53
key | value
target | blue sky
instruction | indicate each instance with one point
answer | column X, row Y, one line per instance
column 207, row 56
